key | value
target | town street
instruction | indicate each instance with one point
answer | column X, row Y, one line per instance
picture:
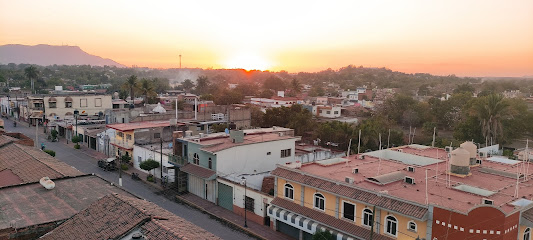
column 84, row 163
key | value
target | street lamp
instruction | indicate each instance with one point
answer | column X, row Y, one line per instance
column 243, row 182
column 76, row 113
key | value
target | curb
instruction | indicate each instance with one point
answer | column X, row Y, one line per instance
column 241, row 228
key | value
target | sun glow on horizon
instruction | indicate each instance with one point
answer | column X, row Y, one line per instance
column 247, row 61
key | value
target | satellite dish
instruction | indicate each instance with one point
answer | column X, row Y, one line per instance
column 226, row 131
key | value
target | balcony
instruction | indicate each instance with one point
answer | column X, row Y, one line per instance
column 177, row 160
column 123, row 144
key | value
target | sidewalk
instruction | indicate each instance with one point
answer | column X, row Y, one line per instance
column 257, row 230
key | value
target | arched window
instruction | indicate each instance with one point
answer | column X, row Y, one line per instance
column 411, row 226
column 391, row 225
column 320, row 201
column 527, row 234
column 289, row 191
column 368, row 217
column 196, row 159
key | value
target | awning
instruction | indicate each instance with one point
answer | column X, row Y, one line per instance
column 301, row 222
column 198, row 171
column 37, row 115
column 310, row 220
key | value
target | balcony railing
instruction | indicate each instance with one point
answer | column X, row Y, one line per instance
column 177, row 160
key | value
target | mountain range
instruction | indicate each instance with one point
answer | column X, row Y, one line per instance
column 45, row 55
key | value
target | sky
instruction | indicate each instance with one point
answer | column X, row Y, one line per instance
column 461, row 37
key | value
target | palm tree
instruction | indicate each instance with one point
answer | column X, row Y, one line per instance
column 146, row 88
column 31, row 73
column 296, row 86
column 490, row 111
column 131, row 84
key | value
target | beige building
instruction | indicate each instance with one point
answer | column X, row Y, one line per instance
column 60, row 107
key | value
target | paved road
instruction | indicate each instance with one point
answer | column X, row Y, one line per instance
column 84, row 163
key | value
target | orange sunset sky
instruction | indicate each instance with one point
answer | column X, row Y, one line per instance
column 462, row 37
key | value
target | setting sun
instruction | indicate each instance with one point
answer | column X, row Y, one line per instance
column 248, row 62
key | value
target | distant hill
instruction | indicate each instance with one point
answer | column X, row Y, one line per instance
column 49, row 55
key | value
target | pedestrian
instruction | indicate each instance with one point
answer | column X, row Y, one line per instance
column 42, row 146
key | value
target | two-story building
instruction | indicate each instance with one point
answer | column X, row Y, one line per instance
column 58, row 107
column 218, row 163
column 408, row 192
column 141, row 133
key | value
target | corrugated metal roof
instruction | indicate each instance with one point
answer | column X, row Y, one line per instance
column 387, row 178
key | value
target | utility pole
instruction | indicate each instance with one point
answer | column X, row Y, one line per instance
column 372, row 223
column 161, row 150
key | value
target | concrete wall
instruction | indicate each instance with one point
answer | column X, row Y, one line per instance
column 143, row 153
column 253, row 158
column 91, row 108
column 260, row 199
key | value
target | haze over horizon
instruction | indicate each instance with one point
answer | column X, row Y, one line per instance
column 466, row 38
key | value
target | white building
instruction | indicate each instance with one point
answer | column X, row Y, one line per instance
column 144, row 152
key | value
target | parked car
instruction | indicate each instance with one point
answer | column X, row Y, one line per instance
column 108, row 164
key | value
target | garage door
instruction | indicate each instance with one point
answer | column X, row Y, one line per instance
column 225, row 196
column 196, row 186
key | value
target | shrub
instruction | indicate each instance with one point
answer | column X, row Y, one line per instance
column 54, row 134
column 77, row 146
column 76, row 139
column 124, row 167
column 50, row 152
column 125, row 159
column 150, row 178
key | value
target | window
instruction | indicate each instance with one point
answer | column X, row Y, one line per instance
column 249, row 203
column 527, row 234
column 120, row 134
column 410, row 180
column 128, row 136
column 68, row 104
column 210, row 163
column 411, row 226
column 368, row 217
column 329, row 112
column 97, row 102
column 52, row 104
column 410, row 169
column 139, row 159
column 320, row 202
column 286, row 153
column 83, row 102
column 157, row 135
column 391, row 225
column 348, row 211
column 196, row 159
column 268, row 153
column 488, row 201
column 289, row 191
column 336, row 112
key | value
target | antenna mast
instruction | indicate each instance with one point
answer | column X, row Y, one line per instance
column 180, row 60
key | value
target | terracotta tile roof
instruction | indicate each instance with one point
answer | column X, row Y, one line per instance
column 198, row 171
column 268, row 184
column 30, row 164
column 122, row 127
column 8, row 178
column 6, row 140
column 326, row 219
column 31, row 204
column 385, row 202
column 114, row 216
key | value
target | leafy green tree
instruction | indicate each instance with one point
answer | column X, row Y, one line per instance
column 76, row 140
column 31, row 73
column 123, row 94
column 266, row 93
column 207, row 97
column 295, row 117
column 394, row 108
column 464, row 88
column 125, row 159
column 181, row 104
column 131, row 84
column 202, row 85
column 317, row 91
column 256, row 116
column 187, row 85
column 149, row 165
column 274, row 83
column 226, row 97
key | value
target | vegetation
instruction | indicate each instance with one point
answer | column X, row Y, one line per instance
column 125, row 159
column 76, row 140
column 131, row 85
column 53, row 133
column 149, row 165
column 31, row 73
column 50, row 152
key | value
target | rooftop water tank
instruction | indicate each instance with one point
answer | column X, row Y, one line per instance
column 472, row 149
column 460, row 161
